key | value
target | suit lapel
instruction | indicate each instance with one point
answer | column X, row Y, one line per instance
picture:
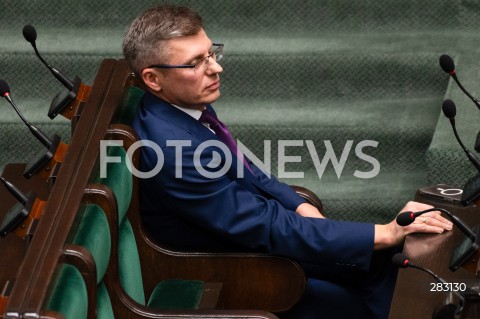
column 180, row 119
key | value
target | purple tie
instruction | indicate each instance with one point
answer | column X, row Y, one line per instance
column 222, row 131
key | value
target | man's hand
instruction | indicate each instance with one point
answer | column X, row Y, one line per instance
column 393, row 234
column 308, row 210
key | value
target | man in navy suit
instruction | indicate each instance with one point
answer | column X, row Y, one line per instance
column 189, row 203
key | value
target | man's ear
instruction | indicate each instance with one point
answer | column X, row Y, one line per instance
column 152, row 79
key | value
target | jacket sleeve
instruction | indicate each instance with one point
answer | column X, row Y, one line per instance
column 281, row 191
column 227, row 208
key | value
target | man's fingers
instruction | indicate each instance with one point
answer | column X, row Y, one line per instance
column 433, row 223
column 436, row 219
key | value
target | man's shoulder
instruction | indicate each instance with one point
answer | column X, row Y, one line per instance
column 163, row 125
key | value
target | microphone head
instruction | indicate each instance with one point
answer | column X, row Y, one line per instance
column 400, row 260
column 449, row 109
column 4, row 88
column 29, row 33
column 447, row 64
column 405, row 218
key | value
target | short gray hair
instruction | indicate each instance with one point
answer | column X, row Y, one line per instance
column 144, row 43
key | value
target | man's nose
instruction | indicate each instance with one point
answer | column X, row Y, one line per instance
column 214, row 67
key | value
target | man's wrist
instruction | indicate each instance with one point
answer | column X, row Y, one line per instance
column 385, row 237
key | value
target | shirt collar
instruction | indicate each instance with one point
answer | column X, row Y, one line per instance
column 192, row 112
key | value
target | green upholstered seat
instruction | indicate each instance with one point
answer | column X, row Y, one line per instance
column 177, row 294
column 68, row 293
column 171, row 294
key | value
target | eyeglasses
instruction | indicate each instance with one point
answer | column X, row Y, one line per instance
column 216, row 55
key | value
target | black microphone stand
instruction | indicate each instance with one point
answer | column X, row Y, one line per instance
column 65, row 98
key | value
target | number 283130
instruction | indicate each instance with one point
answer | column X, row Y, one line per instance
column 448, row 287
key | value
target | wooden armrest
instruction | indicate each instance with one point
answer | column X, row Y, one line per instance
column 309, row 196
column 249, row 280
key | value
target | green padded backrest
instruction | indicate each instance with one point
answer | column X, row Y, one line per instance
column 93, row 233
column 129, row 269
column 119, row 180
column 104, row 304
column 69, row 293
column 129, row 262
column 127, row 109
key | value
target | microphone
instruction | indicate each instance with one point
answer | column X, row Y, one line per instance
column 19, row 212
column 406, row 218
column 30, row 34
column 42, row 160
column 14, row 191
column 402, row 261
column 450, row 110
column 448, row 66
column 5, row 92
column 67, row 98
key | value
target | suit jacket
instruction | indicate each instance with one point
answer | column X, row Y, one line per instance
column 254, row 213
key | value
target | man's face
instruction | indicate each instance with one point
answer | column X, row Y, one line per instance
column 191, row 88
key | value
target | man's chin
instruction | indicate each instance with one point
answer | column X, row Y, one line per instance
column 213, row 97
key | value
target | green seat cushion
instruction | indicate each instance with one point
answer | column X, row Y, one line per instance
column 93, row 233
column 69, row 294
column 177, row 294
